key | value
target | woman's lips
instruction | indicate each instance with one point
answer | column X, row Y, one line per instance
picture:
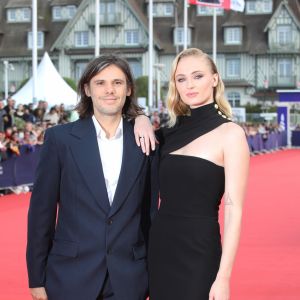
column 191, row 95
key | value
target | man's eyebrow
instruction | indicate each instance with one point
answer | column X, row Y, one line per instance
column 115, row 79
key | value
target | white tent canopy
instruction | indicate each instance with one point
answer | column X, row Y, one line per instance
column 51, row 87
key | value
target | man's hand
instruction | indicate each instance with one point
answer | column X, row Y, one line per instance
column 38, row 293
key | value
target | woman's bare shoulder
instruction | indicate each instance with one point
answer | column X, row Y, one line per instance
column 233, row 132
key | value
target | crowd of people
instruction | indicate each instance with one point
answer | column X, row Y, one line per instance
column 24, row 125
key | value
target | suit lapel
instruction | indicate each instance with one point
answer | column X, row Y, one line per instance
column 85, row 151
column 132, row 161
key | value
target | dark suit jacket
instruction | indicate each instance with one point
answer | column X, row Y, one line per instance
column 74, row 236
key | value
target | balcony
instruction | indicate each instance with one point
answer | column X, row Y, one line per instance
column 106, row 20
column 282, row 82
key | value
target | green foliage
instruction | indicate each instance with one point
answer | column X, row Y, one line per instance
column 253, row 108
column 142, row 87
column 71, row 83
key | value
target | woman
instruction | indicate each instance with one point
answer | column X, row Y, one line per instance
column 203, row 157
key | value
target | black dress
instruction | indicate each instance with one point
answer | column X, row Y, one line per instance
column 185, row 244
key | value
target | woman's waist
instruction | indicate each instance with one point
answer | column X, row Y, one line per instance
column 186, row 214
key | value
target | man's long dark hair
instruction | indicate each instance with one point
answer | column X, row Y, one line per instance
column 85, row 104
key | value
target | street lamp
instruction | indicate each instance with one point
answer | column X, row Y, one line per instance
column 159, row 68
column 7, row 66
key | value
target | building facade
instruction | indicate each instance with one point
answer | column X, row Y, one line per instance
column 258, row 51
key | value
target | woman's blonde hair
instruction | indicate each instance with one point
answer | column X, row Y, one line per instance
column 176, row 107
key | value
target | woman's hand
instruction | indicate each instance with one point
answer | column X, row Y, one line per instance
column 220, row 290
column 144, row 134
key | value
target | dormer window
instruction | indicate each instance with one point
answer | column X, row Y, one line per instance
column 62, row 13
column 161, row 9
column 284, row 35
column 208, row 11
column 40, row 40
column 259, row 7
column 267, row 6
column 233, row 36
column 179, row 36
column 168, row 9
column 18, row 15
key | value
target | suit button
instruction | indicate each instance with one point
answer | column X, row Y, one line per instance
column 109, row 221
column 109, row 251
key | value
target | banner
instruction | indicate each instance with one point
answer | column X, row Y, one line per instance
column 237, row 5
column 282, row 117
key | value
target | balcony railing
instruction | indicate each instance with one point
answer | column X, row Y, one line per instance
column 106, row 19
column 286, row 81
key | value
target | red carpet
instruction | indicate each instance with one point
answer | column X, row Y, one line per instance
column 268, row 262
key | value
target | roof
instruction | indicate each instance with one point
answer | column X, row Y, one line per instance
column 291, row 8
column 13, row 36
column 18, row 3
column 14, row 40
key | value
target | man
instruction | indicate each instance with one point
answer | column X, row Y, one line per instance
column 96, row 181
column 9, row 109
column 2, row 114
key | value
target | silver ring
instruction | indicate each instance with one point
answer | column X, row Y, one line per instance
column 141, row 137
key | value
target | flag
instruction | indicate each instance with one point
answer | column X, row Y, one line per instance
column 237, row 5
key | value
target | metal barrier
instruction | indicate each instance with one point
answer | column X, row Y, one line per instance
column 19, row 170
column 296, row 138
column 271, row 141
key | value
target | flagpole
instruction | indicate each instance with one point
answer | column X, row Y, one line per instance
column 185, row 25
column 97, row 28
column 150, row 81
column 215, row 34
column 34, row 49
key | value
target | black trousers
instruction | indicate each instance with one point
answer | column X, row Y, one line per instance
column 106, row 291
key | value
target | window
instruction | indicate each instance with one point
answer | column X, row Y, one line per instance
column 56, row 13
column 19, row 14
column 234, row 98
column 267, row 6
column 11, row 15
column 40, row 40
column 81, row 38
column 168, row 9
column 285, row 67
column 233, row 35
column 63, row 12
column 71, row 11
column 251, row 7
column 154, row 10
column 79, row 69
column 233, row 67
column 136, row 67
column 131, row 37
column 208, row 11
column 179, row 36
column 26, row 14
column 107, row 7
column 284, row 35
column 107, row 12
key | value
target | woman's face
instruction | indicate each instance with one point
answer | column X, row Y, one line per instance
column 194, row 81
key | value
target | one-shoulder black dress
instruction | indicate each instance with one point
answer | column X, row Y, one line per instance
column 185, row 244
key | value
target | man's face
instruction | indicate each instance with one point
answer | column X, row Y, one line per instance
column 108, row 90
column 10, row 102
